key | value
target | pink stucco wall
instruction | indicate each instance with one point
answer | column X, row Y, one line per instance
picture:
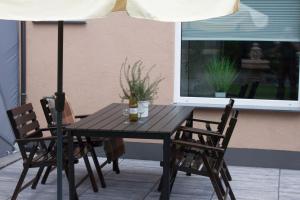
column 93, row 56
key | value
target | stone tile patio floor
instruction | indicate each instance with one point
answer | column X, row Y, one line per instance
column 139, row 180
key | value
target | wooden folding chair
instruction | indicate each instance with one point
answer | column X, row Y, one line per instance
column 47, row 104
column 194, row 157
column 219, row 129
column 31, row 140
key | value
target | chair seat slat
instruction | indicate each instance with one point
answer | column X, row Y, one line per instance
column 25, row 118
column 22, row 109
column 26, row 129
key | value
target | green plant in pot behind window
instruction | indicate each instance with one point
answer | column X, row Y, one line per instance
column 220, row 73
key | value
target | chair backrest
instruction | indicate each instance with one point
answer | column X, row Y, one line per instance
column 229, row 130
column 48, row 105
column 49, row 113
column 227, row 137
column 24, row 124
column 225, row 116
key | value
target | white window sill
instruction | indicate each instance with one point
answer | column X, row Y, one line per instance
column 242, row 107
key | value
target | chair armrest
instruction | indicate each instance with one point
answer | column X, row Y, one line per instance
column 201, row 131
column 197, row 145
column 81, row 116
column 27, row 140
column 50, row 128
column 206, row 121
column 54, row 127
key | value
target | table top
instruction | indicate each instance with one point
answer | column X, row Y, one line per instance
column 162, row 119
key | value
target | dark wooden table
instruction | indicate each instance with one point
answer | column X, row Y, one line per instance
column 162, row 122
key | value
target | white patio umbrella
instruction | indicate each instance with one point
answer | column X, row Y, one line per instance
column 62, row 10
column 161, row 10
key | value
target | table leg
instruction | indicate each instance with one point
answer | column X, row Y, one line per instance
column 71, row 175
column 165, row 195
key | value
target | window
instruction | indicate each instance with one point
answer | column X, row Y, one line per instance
column 259, row 48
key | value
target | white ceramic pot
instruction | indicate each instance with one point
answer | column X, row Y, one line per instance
column 220, row 94
column 143, row 108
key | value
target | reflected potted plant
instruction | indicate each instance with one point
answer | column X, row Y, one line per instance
column 133, row 80
column 220, row 73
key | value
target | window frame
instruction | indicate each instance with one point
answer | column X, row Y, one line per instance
column 206, row 102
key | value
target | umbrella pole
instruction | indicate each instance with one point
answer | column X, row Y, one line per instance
column 59, row 105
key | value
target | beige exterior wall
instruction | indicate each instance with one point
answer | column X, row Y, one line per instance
column 93, row 55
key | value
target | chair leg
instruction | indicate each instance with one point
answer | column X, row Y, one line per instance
column 227, row 184
column 37, row 178
column 227, row 171
column 219, row 182
column 98, row 167
column 87, row 164
column 45, row 177
column 216, row 186
column 20, row 182
column 116, row 166
column 213, row 176
column 90, row 173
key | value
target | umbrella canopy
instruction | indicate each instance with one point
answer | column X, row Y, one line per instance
column 65, row 10
column 246, row 19
column 161, row 10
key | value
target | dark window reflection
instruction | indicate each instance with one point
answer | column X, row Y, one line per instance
column 265, row 70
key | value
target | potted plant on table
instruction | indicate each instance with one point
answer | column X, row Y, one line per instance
column 133, row 80
column 220, row 74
